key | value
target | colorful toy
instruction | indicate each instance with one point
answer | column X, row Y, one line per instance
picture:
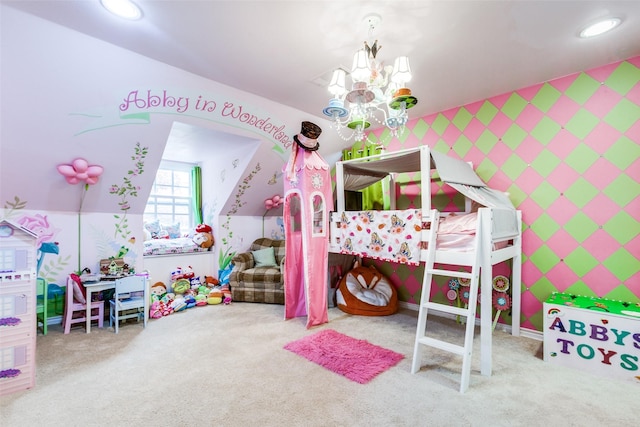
column 226, row 294
column 215, row 296
column 158, row 290
column 203, row 236
column 181, row 286
column 177, row 274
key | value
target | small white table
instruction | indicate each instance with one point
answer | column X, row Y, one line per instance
column 96, row 287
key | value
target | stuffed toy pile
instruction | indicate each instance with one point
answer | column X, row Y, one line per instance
column 187, row 291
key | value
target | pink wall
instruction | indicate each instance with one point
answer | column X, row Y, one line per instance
column 568, row 152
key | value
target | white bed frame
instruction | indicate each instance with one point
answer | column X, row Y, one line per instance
column 492, row 229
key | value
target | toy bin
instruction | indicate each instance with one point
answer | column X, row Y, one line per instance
column 593, row 334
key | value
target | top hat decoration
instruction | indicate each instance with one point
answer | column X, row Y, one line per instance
column 308, row 136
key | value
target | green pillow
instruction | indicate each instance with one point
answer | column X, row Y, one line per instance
column 264, row 258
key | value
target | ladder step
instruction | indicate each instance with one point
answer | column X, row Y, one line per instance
column 445, row 308
column 442, row 345
column 453, row 273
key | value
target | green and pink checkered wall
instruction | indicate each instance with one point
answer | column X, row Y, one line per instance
column 568, row 153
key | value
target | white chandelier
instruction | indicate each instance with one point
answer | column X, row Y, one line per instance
column 378, row 92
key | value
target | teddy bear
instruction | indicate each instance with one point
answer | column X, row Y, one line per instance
column 203, row 236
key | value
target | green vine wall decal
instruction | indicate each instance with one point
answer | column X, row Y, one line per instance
column 224, row 259
column 128, row 189
column 12, row 206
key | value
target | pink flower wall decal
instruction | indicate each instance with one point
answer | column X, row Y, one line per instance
column 273, row 202
column 79, row 170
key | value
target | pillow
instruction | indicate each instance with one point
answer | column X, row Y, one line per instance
column 153, row 227
column 173, row 230
column 264, row 258
column 79, row 292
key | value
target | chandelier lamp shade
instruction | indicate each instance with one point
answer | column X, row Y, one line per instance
column 378, row 94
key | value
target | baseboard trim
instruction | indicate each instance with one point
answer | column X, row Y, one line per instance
column 526, row 333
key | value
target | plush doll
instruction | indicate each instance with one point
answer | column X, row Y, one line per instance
column 155, row 311
column 195, row 283
column 177, row 274
column 203, row 236
column 189, row 299
column 158, row 290
column 211, row 281
column 215, row 296
column 178, row 303
column 180, row 286
column 226, row 294
column 188, row 273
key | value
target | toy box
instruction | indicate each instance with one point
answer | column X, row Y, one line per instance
column 593, row 334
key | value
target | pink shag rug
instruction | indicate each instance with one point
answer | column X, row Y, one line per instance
column 358, row 360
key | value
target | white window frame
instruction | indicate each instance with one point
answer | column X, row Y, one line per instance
column 151, row 209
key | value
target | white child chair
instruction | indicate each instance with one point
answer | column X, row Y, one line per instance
column 129, row 300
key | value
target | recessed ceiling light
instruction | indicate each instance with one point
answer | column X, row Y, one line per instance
column 600, row 27
column 123, row 8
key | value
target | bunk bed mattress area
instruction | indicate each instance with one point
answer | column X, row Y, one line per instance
column 396, row 235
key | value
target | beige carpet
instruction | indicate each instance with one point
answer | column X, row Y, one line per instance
column 226, row 366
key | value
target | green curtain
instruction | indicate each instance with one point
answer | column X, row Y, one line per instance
column 375, row 196
column 196, row 185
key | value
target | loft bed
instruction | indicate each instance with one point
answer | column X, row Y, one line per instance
column 486, row 236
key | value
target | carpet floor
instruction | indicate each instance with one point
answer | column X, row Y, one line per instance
column 227, row 366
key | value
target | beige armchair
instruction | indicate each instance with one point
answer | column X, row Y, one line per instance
column 258, row 274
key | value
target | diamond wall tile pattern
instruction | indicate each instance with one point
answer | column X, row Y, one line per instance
column 568, row 153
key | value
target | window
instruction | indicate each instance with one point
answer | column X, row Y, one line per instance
column 170, row 200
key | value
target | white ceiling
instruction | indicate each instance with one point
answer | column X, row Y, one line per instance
column 461, row 51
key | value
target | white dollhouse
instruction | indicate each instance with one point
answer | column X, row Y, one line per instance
column 18, row 259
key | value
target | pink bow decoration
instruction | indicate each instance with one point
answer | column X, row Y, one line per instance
column 80, row 170
column 273, row 202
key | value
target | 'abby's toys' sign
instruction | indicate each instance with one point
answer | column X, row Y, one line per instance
column 593, row 334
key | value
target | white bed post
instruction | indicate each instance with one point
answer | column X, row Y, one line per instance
column 340, row 186
column 425, row 180
column 516, row 280
column 486, row 291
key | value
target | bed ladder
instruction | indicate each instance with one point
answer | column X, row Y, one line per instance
column 469, row 313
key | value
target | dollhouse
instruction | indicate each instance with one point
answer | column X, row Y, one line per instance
column 18, row 247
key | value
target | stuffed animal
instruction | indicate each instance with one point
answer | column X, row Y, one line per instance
column 211, row 281
column 177, row 274
column 180, row 286
column 215, row 296
column 178, row 303
column 226, row 294
column 195, row 283
column 158, row 290
column 188, row 273
column 203, row 236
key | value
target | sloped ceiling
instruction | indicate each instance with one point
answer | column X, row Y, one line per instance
column 461, row 51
